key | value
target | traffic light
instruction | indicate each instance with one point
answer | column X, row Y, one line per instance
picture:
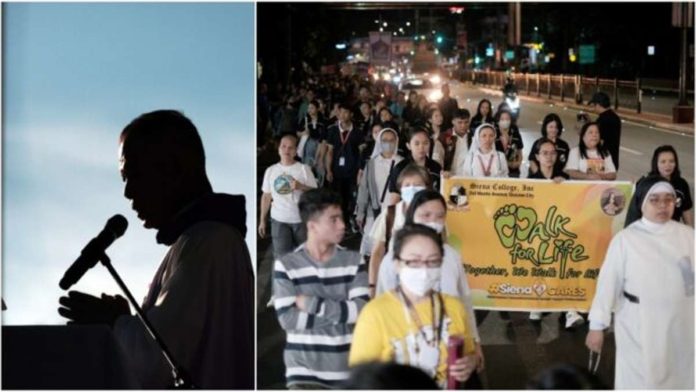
column 439, row 39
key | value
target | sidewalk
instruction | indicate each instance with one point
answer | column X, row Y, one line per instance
column 659, row 121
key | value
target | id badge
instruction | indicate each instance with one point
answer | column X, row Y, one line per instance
column 429, row 358
column 342, row 161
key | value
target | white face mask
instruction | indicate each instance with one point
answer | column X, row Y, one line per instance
column 437, row 226
column 504, row 124
column 387, row 147
column 419, row 280
column 408, row 192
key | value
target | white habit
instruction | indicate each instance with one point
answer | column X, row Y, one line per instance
column 654, row 337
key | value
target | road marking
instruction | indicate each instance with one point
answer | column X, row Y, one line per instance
column 631, row 151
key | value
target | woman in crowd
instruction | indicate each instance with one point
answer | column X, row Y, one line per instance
column 484, row 114
column 418, row 144
column 428, row 208
column 590, row 160
column 386, row 119
column 509, row 141
column 665, row 163
column 483, row 159
column 434, row 127
column 411, row 180
column 414, row 323
column 410, row 112
column 546, row 154
column 312, row 134
column 372, row 191
column 551, row 129
column 647, row 283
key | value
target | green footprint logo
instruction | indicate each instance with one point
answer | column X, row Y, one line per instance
column 513, row 223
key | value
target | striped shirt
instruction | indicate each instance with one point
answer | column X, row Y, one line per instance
column 318, row 340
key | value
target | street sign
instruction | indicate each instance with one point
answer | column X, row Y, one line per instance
column 587, row 54
column 380, row 47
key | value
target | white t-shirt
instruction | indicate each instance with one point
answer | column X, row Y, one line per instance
column 593, row 164
column 461, row 150
column 276, row 181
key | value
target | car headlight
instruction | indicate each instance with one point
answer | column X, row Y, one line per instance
column 435, row 96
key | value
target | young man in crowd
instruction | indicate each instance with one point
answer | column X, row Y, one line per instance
column 609, row 125
column 455, row 142
column 343, row 142
column 319, row 290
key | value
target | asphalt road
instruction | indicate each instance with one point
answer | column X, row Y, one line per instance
column 516, row 349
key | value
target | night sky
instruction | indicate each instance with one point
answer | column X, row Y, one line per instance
column 309, row 32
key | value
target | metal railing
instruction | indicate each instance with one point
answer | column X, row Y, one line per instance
column 623, row 93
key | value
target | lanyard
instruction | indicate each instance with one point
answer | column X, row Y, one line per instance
column 342, row 132
column 412, row 317
column 486, row 169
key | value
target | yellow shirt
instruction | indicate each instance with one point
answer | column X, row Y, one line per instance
column 384, row 333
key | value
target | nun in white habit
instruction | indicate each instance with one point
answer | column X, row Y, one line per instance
column 372, row 190
column 483, row 159
column 647, row 281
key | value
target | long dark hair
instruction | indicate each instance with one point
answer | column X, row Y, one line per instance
column 552, row 117
column 421, row 198
column 479, row 116
column 583, row 148
column 656, row 156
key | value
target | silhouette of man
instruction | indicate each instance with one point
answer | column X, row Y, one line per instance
column 201, row 298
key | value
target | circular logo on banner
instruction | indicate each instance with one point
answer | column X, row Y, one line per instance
column 612, row 201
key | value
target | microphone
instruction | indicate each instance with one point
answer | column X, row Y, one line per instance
column 90, row 255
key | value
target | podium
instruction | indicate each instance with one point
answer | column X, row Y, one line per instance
column 63, row 357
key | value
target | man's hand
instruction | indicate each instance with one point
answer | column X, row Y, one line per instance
column 463, row 367
column 445, row 174
column 294, row 184
column 81, row 308
column 329, row 176
column 301, row 302
column 262, row 229
column 360, row 220
column 595, row 340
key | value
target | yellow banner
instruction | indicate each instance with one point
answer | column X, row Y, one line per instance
column 533, row 244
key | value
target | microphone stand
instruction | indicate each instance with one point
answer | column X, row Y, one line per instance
column 181, row 378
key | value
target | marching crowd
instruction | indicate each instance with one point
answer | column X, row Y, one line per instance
column 358, row 156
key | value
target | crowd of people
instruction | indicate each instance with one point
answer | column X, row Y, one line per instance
column 358, row 156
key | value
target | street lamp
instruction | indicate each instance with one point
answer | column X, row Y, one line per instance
column 408, row 24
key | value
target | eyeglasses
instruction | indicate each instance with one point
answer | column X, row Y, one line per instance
column 657, row 200
column 434, row 263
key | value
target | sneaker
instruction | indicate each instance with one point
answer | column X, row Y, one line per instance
column 573, row 319
column 535, row 316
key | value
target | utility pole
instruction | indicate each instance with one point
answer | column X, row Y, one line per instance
column 682, row 16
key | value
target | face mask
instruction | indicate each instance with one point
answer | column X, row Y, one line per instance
column 437, row 226
column 504, row 124
column 387, row 147
column 408, row 192
column 419, row 280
